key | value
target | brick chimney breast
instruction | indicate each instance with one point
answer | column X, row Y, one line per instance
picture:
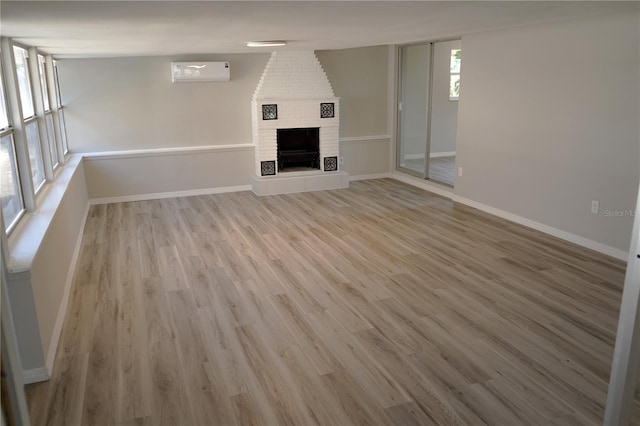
column 294, row 92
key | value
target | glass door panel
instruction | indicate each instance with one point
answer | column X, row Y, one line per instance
column 412, row 109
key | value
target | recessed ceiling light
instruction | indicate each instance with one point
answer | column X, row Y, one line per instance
column 269, row 43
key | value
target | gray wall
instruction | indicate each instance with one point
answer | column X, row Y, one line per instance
column 359, row 79
column 548, row 121
column 444, row 112
column 121, row 104
column 131, row 103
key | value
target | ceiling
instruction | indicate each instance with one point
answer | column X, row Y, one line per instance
column 150, row 28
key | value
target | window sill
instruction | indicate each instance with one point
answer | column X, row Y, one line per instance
column 26, row 239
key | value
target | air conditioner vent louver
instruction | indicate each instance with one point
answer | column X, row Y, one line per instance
column 199, row 71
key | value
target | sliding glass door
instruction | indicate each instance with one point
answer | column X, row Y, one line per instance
column 428, row 93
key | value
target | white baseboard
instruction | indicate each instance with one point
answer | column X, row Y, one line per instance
column 35, row 375
column 559, row 233
column 442, row 190
column 370, row 176
column 62, row 310
column 173, row 194
column 564, row 235
column 442, row 154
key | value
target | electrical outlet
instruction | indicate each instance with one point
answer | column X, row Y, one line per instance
column 595, row 206
column 341, row 160
column 459, row 171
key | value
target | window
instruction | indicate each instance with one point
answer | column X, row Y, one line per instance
column 30, row 120
column 10, row 190
column 43, row 82
column 22, row 71
column 48, row 114
column 63, row 128
column 454, row 74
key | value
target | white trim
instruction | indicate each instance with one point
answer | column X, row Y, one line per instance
column 384, row 175
column 438, row 189
column 442, row 154
column 172, row 194
column 62, row 309
column 154, row 152
column 564, row 235
column 559, row 233
column 35, row 375
column 363, row 139
column 413, row 157
column 26, row 239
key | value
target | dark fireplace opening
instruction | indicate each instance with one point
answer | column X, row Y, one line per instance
column 298, row 149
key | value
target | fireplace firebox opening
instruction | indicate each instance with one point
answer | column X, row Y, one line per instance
column 298, row 149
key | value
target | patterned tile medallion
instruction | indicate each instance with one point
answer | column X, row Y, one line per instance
column 330, row 164
column 327, row 110
column 270, row 112
column 268, row 168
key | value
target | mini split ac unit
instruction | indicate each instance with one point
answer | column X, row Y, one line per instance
column 199, row 71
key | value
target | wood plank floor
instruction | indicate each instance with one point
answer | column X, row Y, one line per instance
column 443, row 169
column 380, row 304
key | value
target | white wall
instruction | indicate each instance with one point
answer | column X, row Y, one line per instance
column 548, row 121
column 444, row 112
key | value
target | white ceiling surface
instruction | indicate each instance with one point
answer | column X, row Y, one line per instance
column 150, row 28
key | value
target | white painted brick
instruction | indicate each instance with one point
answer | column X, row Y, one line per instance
column 296, row 82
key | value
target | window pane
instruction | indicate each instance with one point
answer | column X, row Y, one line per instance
column 63, row 131
column 52, row 139
column 57, row 83
column 22, row 70
column 43, row 82
column 456, row 59
column 454, row 86
column 35, row 154
column 10, row 194
column 4, row 116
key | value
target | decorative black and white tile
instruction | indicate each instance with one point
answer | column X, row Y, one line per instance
column 268, row 168
column 270, row 112
column 330, row 164
column 327, row 110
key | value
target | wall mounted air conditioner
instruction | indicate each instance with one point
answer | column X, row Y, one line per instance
column 199, row 71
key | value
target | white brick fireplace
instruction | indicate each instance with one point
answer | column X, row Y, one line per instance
column 294, row 93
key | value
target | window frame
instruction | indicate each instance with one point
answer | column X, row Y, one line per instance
column 26, row 121
column 49, row 131
column 10, row 131
column 60, row 110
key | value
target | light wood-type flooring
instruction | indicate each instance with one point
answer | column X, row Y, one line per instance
column 379, row 304
column 441, row 169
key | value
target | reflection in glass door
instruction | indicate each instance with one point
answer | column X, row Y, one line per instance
column 445, row 92
column 412, row 109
